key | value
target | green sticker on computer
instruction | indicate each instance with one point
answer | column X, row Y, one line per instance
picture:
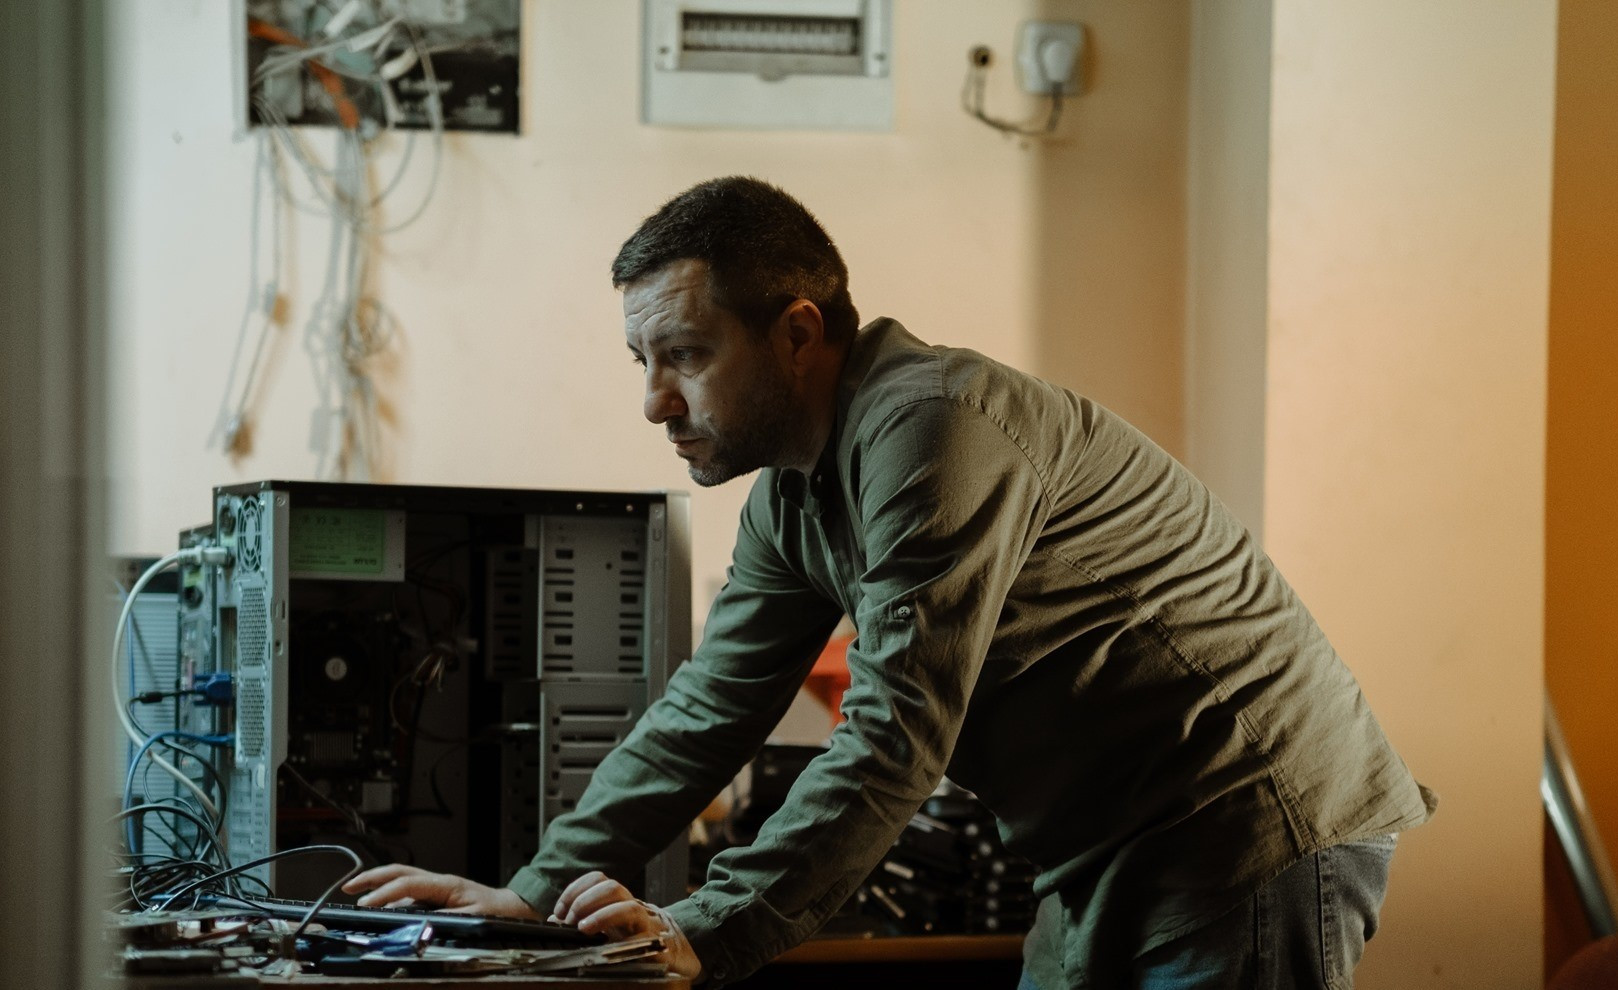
column 338, row 541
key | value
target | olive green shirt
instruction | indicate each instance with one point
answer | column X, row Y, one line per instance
column 1051, row 611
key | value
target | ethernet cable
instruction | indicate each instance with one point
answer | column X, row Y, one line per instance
column 145, row 752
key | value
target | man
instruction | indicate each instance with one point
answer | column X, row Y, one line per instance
column 1048, row 608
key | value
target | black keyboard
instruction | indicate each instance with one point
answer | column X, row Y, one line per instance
column 452, row 927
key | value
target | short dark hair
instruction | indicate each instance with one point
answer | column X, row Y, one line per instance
column 763, row 249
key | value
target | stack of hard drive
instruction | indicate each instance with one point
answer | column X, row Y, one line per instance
column 1001, row 896
column 946, row 874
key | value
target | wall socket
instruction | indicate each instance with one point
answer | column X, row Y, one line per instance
column 1044, row 49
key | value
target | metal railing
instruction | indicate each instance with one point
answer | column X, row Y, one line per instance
column 1576, row 830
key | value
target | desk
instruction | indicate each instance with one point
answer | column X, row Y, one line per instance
column 914, row 948
column 979, row 962
column 309, row 981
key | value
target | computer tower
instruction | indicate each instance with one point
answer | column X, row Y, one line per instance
column 431, row 674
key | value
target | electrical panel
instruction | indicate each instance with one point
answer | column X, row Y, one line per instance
column 806, row 64
column 431, row 675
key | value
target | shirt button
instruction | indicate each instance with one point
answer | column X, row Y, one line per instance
column 902, row 612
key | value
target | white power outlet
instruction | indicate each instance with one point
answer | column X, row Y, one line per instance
column 1050, row 55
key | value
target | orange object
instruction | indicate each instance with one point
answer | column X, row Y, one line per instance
column 828, row 679
column 347, row 112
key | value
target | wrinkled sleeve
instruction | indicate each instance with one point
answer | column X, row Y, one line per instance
column 947, row 510
column 763, row 633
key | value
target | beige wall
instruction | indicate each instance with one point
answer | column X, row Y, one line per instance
column 1581, row 529
column 1405, row 429
column 1366, row 333
column 510, row 368
column 1227, row 276
column 1108, row 221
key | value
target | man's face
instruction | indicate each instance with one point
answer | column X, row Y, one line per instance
column 718, row 388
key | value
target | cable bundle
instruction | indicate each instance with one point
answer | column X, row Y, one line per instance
column 348, row 329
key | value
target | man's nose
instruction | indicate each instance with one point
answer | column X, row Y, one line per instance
column 663, row 401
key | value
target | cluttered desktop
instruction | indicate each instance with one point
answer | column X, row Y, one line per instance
column 324, row 677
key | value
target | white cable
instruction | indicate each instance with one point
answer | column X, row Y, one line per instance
column 292, row 57
column 262, row 302
column 190, row 555
column 346, row 328
column 435, row 120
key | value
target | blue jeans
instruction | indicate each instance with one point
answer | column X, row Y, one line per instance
column 1304, row 930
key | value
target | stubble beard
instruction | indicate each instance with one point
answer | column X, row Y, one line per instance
column 765, row 423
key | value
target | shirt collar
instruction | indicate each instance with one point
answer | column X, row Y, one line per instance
column 819, row 493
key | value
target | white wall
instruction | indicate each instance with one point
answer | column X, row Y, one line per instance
column 1108, row 221
column 509, row 368
column 1366, row 333
column 1405, row 429
column 1227, row 251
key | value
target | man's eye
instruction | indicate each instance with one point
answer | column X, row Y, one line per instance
column 681, row 354
column 639, row 361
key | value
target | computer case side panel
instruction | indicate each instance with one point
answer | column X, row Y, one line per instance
column 668, row 621
column 250, row 642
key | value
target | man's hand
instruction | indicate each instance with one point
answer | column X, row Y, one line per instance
column 397, row 885
column 597, row 905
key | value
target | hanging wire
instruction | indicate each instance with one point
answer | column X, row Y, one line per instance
column 972, row 100
column 348, row 329
column 260, row 313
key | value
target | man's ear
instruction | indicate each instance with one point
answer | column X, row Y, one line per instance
column 804, row 333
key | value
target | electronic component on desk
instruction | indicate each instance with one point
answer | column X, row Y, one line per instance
column 947, row 872
column 775, row 768
column 619, row 958
column 163, row 928
column 176, row 961
column 446, row 926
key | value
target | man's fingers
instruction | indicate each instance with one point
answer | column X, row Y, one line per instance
column 423, row 888
column 396, row 885
column 597, row 905
column 621, row 920
column 565, row 902
column 377, row 876
column 595, row 897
